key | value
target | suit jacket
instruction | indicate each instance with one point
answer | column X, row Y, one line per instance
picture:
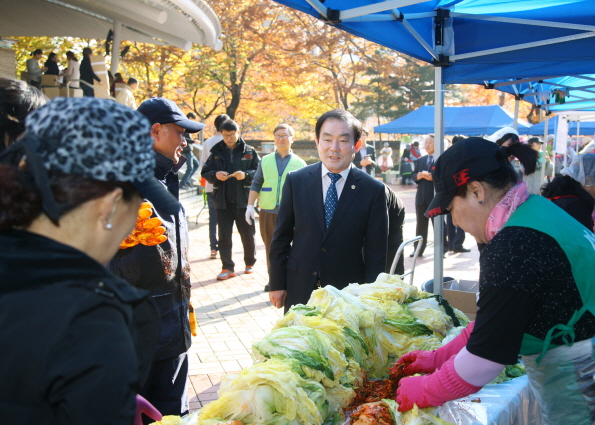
column 396, row 219
column 352, row 249
column 358, row 157
column 425, row 188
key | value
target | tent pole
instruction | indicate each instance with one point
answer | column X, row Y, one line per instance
column 517, row 101
column 578, row 137
column 438, row 148
column 116, row 47
column 543, row 163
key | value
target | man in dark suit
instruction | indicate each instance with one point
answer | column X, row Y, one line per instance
column 332, row 224
column 422, row 175
column 365, row 157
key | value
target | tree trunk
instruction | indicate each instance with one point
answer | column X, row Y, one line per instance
column 232, row 108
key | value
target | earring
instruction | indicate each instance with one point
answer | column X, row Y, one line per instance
column 108, row 226
column 481, row 202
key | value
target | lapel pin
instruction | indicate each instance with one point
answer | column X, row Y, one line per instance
column 353, row 187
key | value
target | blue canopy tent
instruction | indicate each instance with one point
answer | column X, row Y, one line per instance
column 574, row 92
column 467, row 120
column 584, row 128
column 471, row 42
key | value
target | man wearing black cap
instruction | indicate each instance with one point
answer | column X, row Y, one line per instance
column 163, row 269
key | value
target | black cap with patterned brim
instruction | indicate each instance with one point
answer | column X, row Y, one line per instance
column 464, row 161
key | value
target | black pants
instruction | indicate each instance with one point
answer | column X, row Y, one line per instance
column 421, row 227
column 166, row 387
column 212, row 222
column 87, row 91
column 456, row 235
column 225, row 220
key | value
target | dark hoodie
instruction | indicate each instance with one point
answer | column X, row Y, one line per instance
column 76, row 342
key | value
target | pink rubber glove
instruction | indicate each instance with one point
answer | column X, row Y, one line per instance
column 433, row 390
column 420, row 361
column 143, row 406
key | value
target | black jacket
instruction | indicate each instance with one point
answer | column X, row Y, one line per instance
column 370, row 150
column 76, row 342
column 352, row 249
column 425, row 188
column 86, row 70
column 396, row 219
column 243, row 158
column 52, row 68
column 163, row 269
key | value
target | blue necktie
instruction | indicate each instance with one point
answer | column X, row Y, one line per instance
column 330, row 203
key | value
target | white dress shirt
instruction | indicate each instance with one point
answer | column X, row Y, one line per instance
column 326, row 181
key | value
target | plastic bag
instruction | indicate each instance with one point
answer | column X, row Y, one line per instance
column 563, row 383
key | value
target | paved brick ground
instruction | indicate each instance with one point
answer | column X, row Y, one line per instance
column 232, row 314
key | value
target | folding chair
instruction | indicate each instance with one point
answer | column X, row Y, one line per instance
column 415, row 255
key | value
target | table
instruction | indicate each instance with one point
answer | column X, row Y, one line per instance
column 508, row 403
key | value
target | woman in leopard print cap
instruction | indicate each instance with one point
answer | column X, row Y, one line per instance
column 70, row 331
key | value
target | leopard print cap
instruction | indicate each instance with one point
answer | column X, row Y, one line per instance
column 95, row 138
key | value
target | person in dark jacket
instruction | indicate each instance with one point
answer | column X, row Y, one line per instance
column 231, row 168
column 163, row 269
column 52, row 65
column 574, row 190
column 365, row 157
column 454, row 234
column 77, row 342
column 396, row 219
column 192, row 163
column 87, row 73
column 422, row 175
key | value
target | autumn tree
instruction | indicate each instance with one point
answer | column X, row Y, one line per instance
column 157, row 68
column 239, row 70
column 398, row 85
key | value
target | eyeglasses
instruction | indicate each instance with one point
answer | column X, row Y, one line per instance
column 282, row 136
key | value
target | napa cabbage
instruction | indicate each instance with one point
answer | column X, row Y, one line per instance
column 272, row 392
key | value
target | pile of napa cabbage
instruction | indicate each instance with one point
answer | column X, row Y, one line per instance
column 306, row 371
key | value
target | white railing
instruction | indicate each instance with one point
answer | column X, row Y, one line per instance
column 90, row 85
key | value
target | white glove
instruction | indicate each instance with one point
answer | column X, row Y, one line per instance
column 250, row 214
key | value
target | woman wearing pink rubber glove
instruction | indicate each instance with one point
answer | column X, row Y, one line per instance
column 537, row 296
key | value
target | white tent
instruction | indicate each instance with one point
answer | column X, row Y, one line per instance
column 180, row 23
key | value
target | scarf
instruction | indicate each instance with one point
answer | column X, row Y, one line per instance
column 504, row 209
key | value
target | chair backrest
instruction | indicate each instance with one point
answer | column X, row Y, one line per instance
column 411, row 272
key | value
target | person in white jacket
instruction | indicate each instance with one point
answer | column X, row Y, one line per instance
column 126, row 96
column 72, row 73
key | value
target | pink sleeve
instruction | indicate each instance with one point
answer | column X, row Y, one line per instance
column 476, row 370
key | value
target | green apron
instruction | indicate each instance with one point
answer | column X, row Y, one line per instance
column 562, row 376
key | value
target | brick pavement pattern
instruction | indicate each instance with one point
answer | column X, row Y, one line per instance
column 234, row 313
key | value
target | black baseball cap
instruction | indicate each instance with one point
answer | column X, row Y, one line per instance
column 466, row 160
column 164, row 111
